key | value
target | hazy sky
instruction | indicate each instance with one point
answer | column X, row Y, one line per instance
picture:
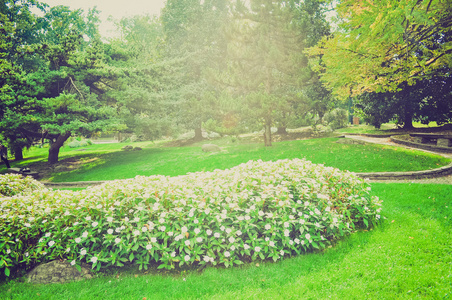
column 115, row 8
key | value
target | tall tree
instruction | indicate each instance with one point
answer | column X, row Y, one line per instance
column 195, row 40
column 266, row 65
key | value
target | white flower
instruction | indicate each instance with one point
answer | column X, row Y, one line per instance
column 72, row 262
column 232, row 248
column 281, row 252
column 227, row 254
column 286, row 232
column 222, row 228
column 85, row 234
column 272, row 244
column 94, row 224
column 136, row 219
column 162, row 228
column 27, row 224
column 195, row 221
column 117, row 240
column 286, row 224
column 144, row 229
column 231, row 240
column 199, row 239
column 239, row 233
column 109, row 219
column 78, row 240
column 308, row 236
column 267, row 226
column 377, row 216
column 187, row 243
column 148, row 247
column 126, row 219
column 297, row 241
column 83, row 252
column 216, row 234
column 110, row 231
column 51, row 243
column 187, row 258
column 197, row 231
column 8, row 251
column 257, row 249
column 99, row 206
column 228, row 230
column 246, row 246
column 93, row 259
column 290, row 242
column 153, row 240
column 162, row 220
column 48, row 234
column 170, row 233
column 88, row 218
column 173, row 254
column 209, row 232
column 68, row 249
column 206, row 258
column 136, row 232
column 247, row 218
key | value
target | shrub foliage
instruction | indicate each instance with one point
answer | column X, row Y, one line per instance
column 257, row 210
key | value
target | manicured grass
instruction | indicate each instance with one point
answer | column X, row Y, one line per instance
column 108, row 163
column 408, row 256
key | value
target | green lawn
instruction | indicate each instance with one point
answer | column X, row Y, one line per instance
column 408, row 256
column 108, row 162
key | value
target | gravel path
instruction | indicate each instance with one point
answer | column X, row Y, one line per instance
column 387, row 141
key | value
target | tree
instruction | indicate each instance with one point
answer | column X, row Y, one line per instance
column 426, row 101
column 65, row 82
column 385, row 45
column 265, row 62
column 145, row 78
column 195, row 40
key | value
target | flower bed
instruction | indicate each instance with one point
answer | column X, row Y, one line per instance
column 257, row 210
column 14, row 184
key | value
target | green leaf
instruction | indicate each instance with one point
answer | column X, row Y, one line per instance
column 7, row 272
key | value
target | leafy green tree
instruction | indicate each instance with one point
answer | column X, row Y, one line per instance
column 66, row 85
column 385, row 45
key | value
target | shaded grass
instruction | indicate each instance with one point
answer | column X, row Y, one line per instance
column 152, row 160
column 408, row 256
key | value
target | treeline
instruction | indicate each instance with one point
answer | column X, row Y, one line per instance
column 226, row 66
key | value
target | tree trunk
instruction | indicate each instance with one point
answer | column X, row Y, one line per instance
column 55, row 146
column 408, row 120
column 268, row 134
column 282, row 130
column 18, row 154
column 198, row 134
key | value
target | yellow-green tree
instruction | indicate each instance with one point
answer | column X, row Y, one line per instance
column 382, row 45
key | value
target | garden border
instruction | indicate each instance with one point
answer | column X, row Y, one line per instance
column 422, row 146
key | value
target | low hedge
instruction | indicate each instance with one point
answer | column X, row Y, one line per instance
column 257, row 210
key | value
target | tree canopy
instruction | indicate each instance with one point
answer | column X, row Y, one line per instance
column 382, row 45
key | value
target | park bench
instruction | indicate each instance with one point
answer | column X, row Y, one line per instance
column 442, row 140
column 19, row 171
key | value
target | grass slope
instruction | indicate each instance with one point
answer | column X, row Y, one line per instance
column 407, row 257
column 108, row 163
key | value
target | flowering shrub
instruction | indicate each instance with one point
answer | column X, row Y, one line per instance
column 13, row 184
column 257, row 210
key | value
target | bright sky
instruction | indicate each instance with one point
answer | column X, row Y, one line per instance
column 115, row 8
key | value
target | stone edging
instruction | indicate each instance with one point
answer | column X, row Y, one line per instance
column 422, row 146
column 372, row 135
column 77, row 184
column 443, row 171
